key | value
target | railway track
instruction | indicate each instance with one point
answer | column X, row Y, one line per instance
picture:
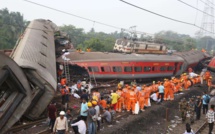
column 19, row 128
column 202, row 128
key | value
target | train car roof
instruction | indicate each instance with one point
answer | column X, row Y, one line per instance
column 101, row 56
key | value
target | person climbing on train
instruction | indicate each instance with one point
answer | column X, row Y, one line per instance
column 132, row 99
column 141, row 99
column 120, row 100
column 114, row 99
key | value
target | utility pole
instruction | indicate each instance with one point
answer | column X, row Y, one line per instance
column 207, row 26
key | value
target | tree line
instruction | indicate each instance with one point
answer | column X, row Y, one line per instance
column 12, row 25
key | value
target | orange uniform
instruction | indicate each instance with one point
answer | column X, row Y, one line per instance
column 147, row 91
column 120, row 101
column 125, row 92
column 172, row 90
column 167, row 88
column 141, row 99
column 63, row 81
column 132, row 99
column 103, row 103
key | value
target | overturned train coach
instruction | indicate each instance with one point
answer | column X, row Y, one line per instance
column 28, row 74
column 101, row 65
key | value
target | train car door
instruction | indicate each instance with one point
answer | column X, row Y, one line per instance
column 175, row 69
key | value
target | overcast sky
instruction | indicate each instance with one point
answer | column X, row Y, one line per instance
column 113, row 12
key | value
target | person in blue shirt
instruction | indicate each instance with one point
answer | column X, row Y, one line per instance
column 84, row 109
column 205, row 101
column 161, row 92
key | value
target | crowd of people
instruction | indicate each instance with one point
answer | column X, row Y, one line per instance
column 98, row 109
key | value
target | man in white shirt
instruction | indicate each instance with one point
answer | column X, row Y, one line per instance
column 154, row 97
column 210, row 117
column 81, row 126
column 61, row 124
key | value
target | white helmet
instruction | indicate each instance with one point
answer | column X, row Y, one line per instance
column 62, row 113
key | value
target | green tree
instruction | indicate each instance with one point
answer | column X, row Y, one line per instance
column 11, row 26
column 95, row 44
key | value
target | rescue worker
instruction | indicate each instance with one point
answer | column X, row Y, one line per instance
column 120, row 100
column 96, row 96
column 88, row 50
column 147, row 91
column 167, row 88
column 114, row 99
column 133, row 83
column 183, row 107
column 172, row 90
column 63, row 81
column 209, row 84
column 207, row 76
column 190, row 70
column 191, row 110
column 132, row 99
column 141, row 99
column 125, row 92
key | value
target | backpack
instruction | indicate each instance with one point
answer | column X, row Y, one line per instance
column 207, row 99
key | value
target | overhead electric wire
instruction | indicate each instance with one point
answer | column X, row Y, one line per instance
column 163, row 16
column 72, row 14
column 195, row 8
column 206, row 3
column 197, row 1
column 210, row 2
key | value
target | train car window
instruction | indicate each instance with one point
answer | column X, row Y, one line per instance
column 170, row 68
column 138, row 69
column 147, row 69
column 93, row 69
column 45, row 32
column 124, row 43
column 119, row 42
column 154, row 68
column 46, row 27
column 105, row 69
column 163, row 68
column 127, row 69
column 117, row 69
column 44, row 37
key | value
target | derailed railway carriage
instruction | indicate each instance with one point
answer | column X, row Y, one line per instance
column 28, row 74
column 101, row 65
